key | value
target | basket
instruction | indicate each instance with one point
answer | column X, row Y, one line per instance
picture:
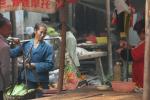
column 28, row 95
column 120, row 86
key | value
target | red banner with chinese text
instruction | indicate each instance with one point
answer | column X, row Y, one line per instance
column 72, row 1
column 60, row 3
column 48, row 6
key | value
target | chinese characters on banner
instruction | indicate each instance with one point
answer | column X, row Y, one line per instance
column 71, row 1
column 48, row 6
column 60, row 3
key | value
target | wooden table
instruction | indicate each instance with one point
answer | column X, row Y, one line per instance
column 91, row 93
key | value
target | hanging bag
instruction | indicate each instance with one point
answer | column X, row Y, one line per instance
column 71, row 73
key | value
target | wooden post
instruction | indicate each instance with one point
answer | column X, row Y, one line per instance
column 13, row 21
column 109, row 37
column 63, row 20
column 14, row 60
column 146, row 94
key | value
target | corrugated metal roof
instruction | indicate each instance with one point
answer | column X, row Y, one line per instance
column 96, row 4
column 138, row 4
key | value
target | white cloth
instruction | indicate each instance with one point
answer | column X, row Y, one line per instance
column 47, row 39
column 133, row 37
column 71, row 46
column 29, row 30
column 121, row 6
column 135, row 17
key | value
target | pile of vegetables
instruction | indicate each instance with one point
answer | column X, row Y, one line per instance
column 18, row 90
column 52, row 32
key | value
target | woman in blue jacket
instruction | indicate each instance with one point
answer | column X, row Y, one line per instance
column 38, row 58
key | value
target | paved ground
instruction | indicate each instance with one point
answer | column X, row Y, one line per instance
column 93, row 94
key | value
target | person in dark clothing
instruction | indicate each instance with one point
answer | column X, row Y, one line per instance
column 5, row 31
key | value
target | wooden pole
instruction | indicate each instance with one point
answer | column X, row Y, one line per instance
column 146, row 94
column 13, row 21
column 63, row 20
column 109, row 37
column 14, row 60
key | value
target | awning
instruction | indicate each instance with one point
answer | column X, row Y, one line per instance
column 47, row 6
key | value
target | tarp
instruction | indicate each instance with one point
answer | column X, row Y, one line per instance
column 47, row 6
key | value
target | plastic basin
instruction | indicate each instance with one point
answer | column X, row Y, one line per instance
column 120, row 86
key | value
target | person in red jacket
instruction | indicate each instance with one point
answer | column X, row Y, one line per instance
column 136, row 54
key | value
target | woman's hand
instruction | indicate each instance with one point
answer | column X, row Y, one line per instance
column 30, row 65
column 16, row 41
column 119, row 50
column 123, row 44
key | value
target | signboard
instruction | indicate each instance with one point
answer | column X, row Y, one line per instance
column 48, row 6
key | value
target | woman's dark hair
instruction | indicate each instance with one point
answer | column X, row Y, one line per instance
column 60, row 26
column 127, row 2
column 3, row 20
column 37, row 26
column 140, row 26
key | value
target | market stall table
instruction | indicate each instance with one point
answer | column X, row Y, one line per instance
column 92, row 46
column 96, row 55
column 91, row 93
